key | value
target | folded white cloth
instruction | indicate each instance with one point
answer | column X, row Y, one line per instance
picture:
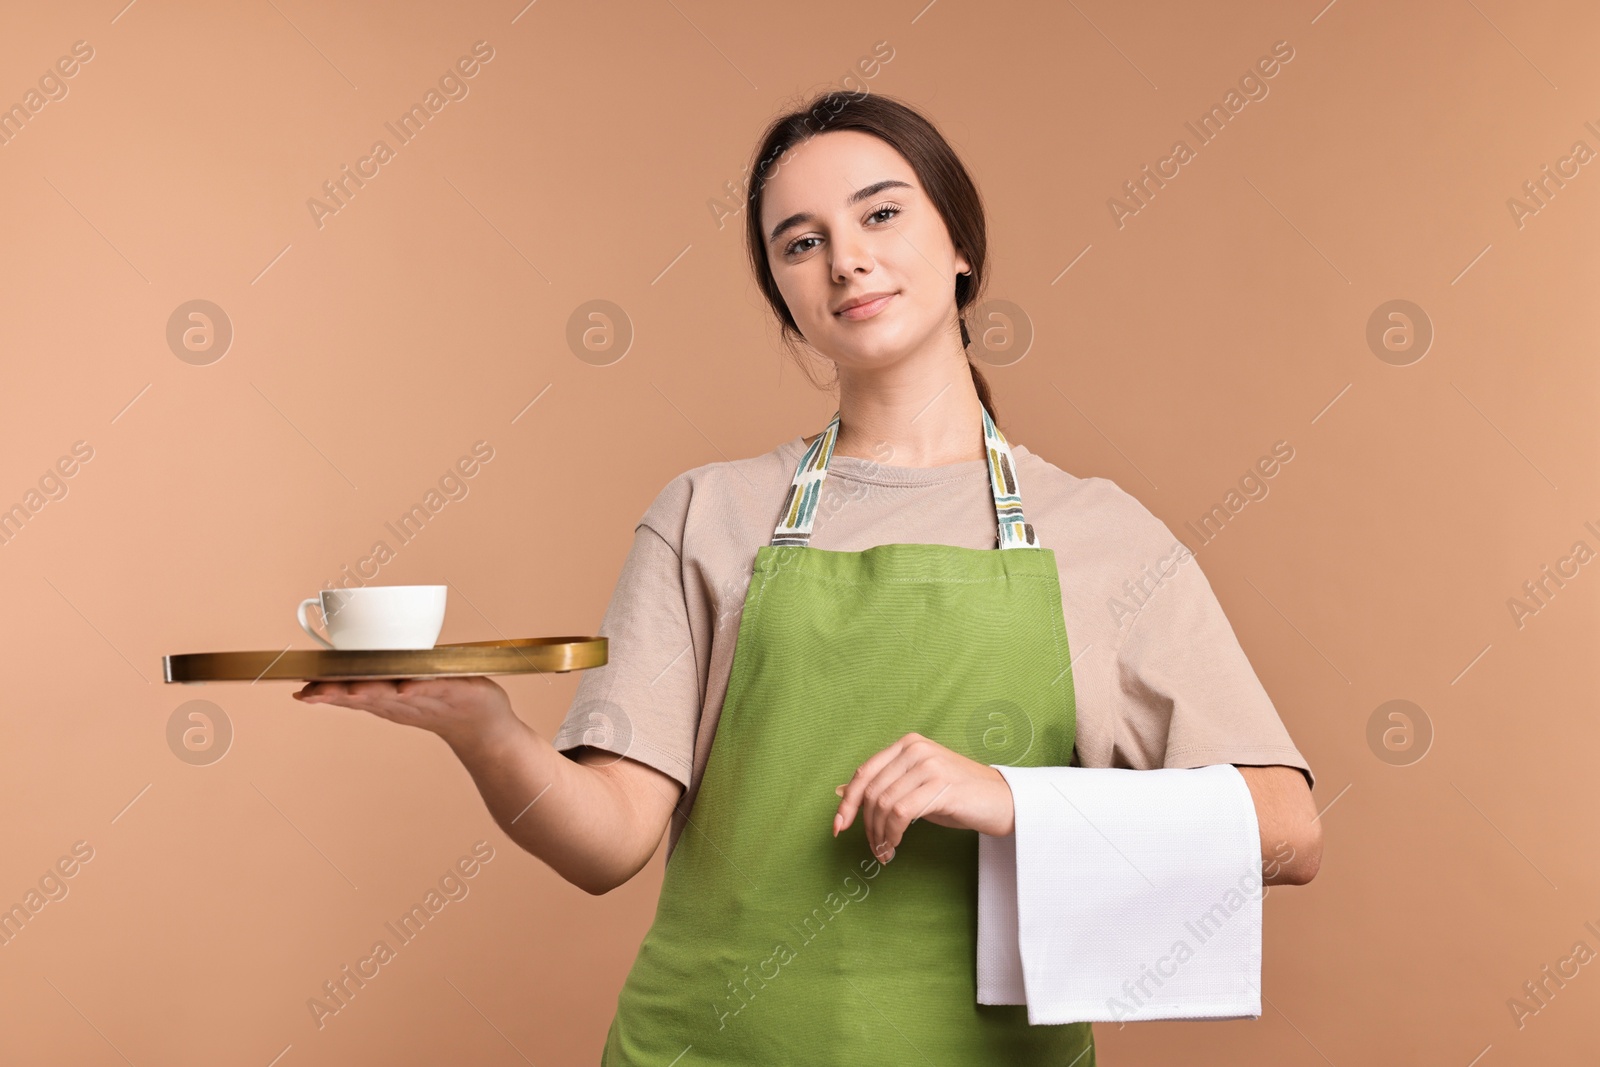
column 1123, row 896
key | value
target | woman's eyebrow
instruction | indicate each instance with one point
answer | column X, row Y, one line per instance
column 855, row 198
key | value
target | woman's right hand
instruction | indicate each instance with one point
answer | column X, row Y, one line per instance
column 473, row 709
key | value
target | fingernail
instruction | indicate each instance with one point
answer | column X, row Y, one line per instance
column 890, row 856
column 838, row 790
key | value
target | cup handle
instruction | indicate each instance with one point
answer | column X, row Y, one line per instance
column 306, row 625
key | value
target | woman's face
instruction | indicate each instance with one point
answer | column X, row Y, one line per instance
column 852, row 221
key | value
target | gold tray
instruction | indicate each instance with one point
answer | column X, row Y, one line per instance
column 522, row 655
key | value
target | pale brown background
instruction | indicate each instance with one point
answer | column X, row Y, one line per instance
column 432, row 310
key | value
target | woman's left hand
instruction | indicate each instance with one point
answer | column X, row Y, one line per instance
column 916, row 778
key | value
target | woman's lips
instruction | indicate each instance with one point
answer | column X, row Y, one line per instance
column 867, row 310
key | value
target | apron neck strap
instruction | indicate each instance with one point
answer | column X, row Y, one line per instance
column 800, row 506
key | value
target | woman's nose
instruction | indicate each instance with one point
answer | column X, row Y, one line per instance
column 851, row 256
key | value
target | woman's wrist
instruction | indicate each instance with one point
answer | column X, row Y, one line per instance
column 1006, row 817
column 485, row 740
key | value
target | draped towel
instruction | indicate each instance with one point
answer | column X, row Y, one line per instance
column 1123, row 896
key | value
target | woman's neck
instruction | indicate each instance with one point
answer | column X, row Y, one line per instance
column 918, row 423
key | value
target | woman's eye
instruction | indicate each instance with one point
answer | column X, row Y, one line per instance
column 800, row 245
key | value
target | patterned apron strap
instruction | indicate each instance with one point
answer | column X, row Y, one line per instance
column 800, row 506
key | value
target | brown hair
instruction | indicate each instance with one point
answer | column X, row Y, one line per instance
column 936, row 165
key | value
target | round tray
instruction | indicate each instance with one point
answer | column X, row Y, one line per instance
column 522, row 655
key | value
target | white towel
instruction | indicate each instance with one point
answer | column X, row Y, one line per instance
column 1123, row 896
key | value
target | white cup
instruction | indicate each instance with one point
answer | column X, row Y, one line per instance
column 378, row 616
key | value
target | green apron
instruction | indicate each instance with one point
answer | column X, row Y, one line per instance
column 775, row 942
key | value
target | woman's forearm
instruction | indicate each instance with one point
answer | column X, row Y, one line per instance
column 580, row 819
column 1291, row 832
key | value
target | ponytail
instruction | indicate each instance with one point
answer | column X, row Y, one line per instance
column 983, row 391
column 978, row 382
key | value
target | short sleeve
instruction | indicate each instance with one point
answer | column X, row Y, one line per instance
column 1187, row 695
column 644, row 703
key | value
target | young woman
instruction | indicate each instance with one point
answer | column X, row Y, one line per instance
column 820, row 655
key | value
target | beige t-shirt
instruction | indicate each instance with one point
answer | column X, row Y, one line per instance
column 1160, row 679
